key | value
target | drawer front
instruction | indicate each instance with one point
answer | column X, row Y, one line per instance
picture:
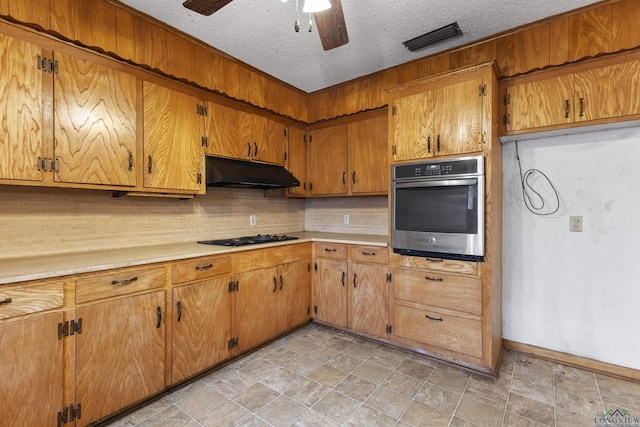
column 201, row 268
column 119, row 282
column 328, row 250
column 436, row 289
column 375, row 254
column 439, row 330
column 30, row 298
column 438, row 264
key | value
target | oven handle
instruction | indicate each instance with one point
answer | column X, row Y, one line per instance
column 436, row 183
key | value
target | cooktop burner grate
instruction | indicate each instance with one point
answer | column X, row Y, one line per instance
column 248, row 240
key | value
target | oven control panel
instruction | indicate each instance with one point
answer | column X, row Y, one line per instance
column 463, row 166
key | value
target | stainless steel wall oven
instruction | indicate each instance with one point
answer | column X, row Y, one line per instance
column 438, row 208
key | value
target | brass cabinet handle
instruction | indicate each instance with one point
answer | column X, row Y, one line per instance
column 203, row 267
column 439, row 319
column 343, row 277
column 344, row 177
column 124, row 282
column 428, row 144
column 433, row 279
column 255, row 149
column 369, row 253
column 581, row 107
column 159, row 314
column 329, row 250
column 275, row 284
column 567, row 108
column 353, row 177
column 6, row 301
column 281, row 282
column 150, row 164
column 130, row 161
column 438, row 142
column 354, row 280
column 248, row 149
column 179, row 304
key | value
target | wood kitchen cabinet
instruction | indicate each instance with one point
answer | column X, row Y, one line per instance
column 294, row 294
column 173, row 148
column 297, row 160
column 263, row 139
column 33, row 358
column 349, row 158
column 598, row 91
column 439, row 116
column 330, row 284
column 222, row 129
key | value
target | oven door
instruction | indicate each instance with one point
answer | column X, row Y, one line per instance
column 439, row 217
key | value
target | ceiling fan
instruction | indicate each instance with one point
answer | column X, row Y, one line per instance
column 330, row 23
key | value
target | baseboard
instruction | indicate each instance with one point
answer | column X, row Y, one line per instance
column 575, row 361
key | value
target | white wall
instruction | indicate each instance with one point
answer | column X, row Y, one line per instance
column 571, row 292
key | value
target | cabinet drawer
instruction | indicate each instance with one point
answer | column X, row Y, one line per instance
column 438, row 264
column 201, row 268
column 328, row 250
column 119, row 282
column 369, row 254
column 436, row 289
column 446, row 331
column 30, row 298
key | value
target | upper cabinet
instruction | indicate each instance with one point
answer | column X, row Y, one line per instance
column 263, row 139
column 94, row 123
column 173, row 129
column 598, row 91
column 222, row 130
column 21, row 107
column 349, row 158
column 297, row 160
column 439, row 116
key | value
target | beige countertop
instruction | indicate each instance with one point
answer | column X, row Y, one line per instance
column 13, row 270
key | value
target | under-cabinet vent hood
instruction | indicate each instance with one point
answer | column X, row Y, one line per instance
column 223, row 172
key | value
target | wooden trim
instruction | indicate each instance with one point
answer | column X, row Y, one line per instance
column 596, row 366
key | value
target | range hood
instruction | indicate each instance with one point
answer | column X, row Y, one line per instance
column 222, row 172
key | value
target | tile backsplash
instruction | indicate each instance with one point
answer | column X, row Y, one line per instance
column 367, row 215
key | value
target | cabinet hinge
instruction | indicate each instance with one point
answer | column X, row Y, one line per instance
column 41, row 164
column 233, row 286
column 506, row 99
column 233, row 343
column 394, row 110
column 75, row 412
column 69, row 328
column 63, row 330
column 315, row 309
column 506, row 119
column 315, row 266
column 55, row 67
column 63, row 416
column 199, row 178
column 75, row 327
column 389, row 277
column 389, row 329
column 55, row 165
column 201, row 110
column 393, row 150
column 482, row 90
column 205, row 141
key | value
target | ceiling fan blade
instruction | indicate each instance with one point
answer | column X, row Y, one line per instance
column 206, row 7
column 331, row 26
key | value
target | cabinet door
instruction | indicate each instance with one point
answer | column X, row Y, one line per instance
column 330, row 292
column 368, row 165
column 294, row 294
column 222, row 127
column 262, row 138
column 540, row 103
column 607, row 92
column 120, row 354
column 201, row 326
column 368, row 302
column 256, row 307
column 21, row 83
column 328, row 160
column 95, row 123
column 297, row 159
column 412, row 119
column 31, row 370
column 173, row 154
column 459, row 118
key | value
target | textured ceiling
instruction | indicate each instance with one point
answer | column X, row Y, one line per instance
column 260, row 32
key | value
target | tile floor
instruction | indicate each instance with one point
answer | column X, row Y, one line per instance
column 317, row 376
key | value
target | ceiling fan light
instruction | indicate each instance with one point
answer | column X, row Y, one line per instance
column 313, row 6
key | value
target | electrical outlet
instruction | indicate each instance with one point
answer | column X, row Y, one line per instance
column 575, row 223
column 252, row 220
column 346, row 220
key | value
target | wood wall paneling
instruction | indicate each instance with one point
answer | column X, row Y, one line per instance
column 504, row 55
column 4, row 7
column 473, row 55
column 625, row 16
column 226, row 76
column 440, row 64
column 590, row 33
column 125, row 34
column 61, row 16
column 181, row 54
column 150, row 44
column 531, row 49
column 204, row 64
column 559, row 42
column 96, row 24
column 30, row 11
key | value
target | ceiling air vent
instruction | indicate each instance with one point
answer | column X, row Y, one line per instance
column 435, row 36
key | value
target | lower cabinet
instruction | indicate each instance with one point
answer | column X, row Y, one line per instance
column 201, row 326
column 351, row 288
column 120, row 354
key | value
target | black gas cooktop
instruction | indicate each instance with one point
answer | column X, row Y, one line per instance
column 248, row 240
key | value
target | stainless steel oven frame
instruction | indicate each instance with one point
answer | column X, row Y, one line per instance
column 434, row 244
